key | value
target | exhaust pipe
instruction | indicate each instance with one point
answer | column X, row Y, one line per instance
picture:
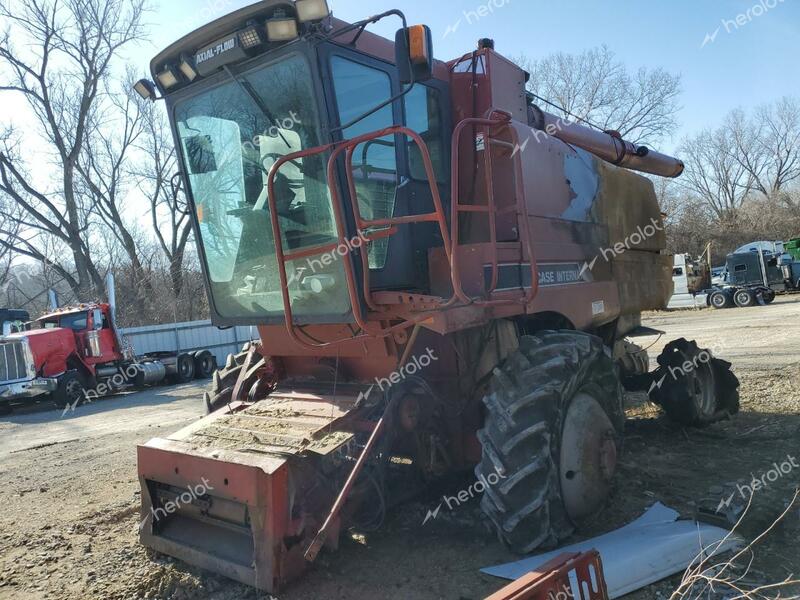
column 52, row 299
column 112, row 295
column 112, row 303
column 607, row 145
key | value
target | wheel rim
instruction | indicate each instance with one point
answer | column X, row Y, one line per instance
column 702, row 389
column 73, row 390
column 588, row 457
column 718, row 300
column 207, row 365
column 743, row 298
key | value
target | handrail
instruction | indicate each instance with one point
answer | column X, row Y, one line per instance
column 282, row 257
column 486, row 124
column 449, row 232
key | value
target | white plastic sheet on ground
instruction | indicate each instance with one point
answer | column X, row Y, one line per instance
column 654, row 546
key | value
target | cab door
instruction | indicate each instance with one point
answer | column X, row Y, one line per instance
column 389, row 177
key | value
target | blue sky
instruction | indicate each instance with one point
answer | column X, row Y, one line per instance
column 748, row 63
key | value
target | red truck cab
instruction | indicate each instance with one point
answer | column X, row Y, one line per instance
column 95, row 341
column 62, row 350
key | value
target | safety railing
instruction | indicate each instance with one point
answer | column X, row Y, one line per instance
column 495, row 119
column 448, row 230
column 348, row 147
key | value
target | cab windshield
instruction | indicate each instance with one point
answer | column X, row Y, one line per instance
column 76, row 321
column 230, row 136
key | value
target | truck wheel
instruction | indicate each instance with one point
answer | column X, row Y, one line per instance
column 768, row 296
column 720, row 300
column 184, row 368
column 204, row 365
column 554, row 421
column 70, row 390
column 696, row 395
column 744, row 298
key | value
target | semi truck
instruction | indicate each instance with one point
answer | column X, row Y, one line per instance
column 754, row 277
column 76, row 353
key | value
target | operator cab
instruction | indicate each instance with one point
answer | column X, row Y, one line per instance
column 269, row 81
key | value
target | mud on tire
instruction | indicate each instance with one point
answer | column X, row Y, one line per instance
column 526, row 406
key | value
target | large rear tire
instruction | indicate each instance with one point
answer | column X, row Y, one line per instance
column 554, row 422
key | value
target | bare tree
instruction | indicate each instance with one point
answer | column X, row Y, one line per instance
column 62, row 76
column 106, row 179
column 596, row 86
column 715, row 175
column 169, row 210
column 768, row 145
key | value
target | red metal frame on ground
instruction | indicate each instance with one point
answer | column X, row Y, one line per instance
column 553, row 581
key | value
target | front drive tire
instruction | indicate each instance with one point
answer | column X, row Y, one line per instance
column 70, row 390
column 553, row 427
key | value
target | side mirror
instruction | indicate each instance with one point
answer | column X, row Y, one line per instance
column 6, row 328
column 97, row 319
column 413, row 48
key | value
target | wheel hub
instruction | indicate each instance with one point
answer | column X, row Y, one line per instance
column 588, row 457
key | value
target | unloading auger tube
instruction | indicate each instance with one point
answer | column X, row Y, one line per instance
column 607, row 145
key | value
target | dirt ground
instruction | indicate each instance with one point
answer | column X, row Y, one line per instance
column 69, row 492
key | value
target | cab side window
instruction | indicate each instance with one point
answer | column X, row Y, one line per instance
column 424, row 115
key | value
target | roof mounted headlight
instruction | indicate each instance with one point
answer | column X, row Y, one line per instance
column 281, row 27
column 146, row 89
column 187, row 67
column 251, row 36
column 168, row 77
column 312, row 10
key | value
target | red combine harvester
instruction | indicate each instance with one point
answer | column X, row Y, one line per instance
column 76, row 352
column 444, row 278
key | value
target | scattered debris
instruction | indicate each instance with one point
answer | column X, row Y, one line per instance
column 569, row 575
column 654, row 546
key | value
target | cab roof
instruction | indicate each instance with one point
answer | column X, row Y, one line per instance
column 366, row 42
